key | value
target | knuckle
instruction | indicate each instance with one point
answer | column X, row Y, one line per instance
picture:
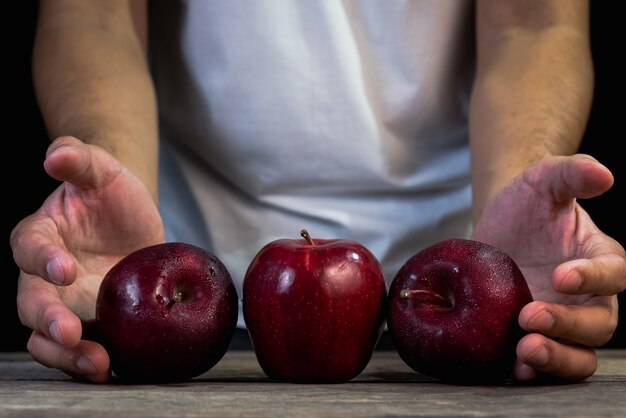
column 15, row 238
column 607, row 332
column 22, row 317
column 45, row 315
column 592, row 365
column 30, row 344
column 565, row 324
column 23, row 305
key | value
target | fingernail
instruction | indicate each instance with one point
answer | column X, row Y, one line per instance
column 542, row 321
column 539, row 357
column 55, row 331
column 590, row 157
column 58, row 148
column 525, row 372
column 85, row 365
column 55, row 271
column 573, row 281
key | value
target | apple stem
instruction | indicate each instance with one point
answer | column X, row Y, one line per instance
column 305, row 234
column 406, row 293
column 177, row 297
column 428, row 297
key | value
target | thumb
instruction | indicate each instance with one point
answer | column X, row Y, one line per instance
column 577, row 176
column 85, row 166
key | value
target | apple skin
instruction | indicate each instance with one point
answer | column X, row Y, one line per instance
column 166, row 313
column 453, row 312
column 314, row 312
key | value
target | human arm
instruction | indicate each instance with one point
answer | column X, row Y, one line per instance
column 92, row 82
column 533, row 88
column 528, row 113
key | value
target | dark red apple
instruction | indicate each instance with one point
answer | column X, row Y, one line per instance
column 166, row 312
column 453, row 311
column 314, row 310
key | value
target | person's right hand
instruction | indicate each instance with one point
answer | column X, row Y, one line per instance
column 99, row 214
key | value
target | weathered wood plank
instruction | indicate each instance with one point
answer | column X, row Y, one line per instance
column 236, row 386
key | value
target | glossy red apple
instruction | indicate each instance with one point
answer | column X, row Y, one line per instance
column 314, row 309
column 453, row 311
column 166, row 312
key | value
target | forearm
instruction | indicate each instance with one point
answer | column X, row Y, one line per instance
column 533, row 89
column 92, row 80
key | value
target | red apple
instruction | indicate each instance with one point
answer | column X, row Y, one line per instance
column 453, row 311
column 314, row 310
column 166, row 312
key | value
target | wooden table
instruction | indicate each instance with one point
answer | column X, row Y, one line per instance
column 236, row 387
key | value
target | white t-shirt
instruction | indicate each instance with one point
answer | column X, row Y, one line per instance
column 345, row 118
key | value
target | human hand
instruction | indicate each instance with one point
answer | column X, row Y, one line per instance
column 573, row 269
column 100, row 213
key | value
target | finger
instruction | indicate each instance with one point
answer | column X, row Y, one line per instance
column 591, row 324
column 546, row 356
column 40, row 308
column 523, row 371
column 33, row 240
column 85, row 166
column 35, row 253
column 87, row 360
column 603, row 274
column 580, row 176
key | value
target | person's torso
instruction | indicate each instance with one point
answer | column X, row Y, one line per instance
column 345, row 118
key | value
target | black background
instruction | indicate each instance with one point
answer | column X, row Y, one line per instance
column 26, row 184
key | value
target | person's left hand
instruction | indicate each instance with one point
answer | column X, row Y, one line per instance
column 573, row 269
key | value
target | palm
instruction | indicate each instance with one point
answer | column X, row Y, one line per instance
column 537, row 221
column 98, row 226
